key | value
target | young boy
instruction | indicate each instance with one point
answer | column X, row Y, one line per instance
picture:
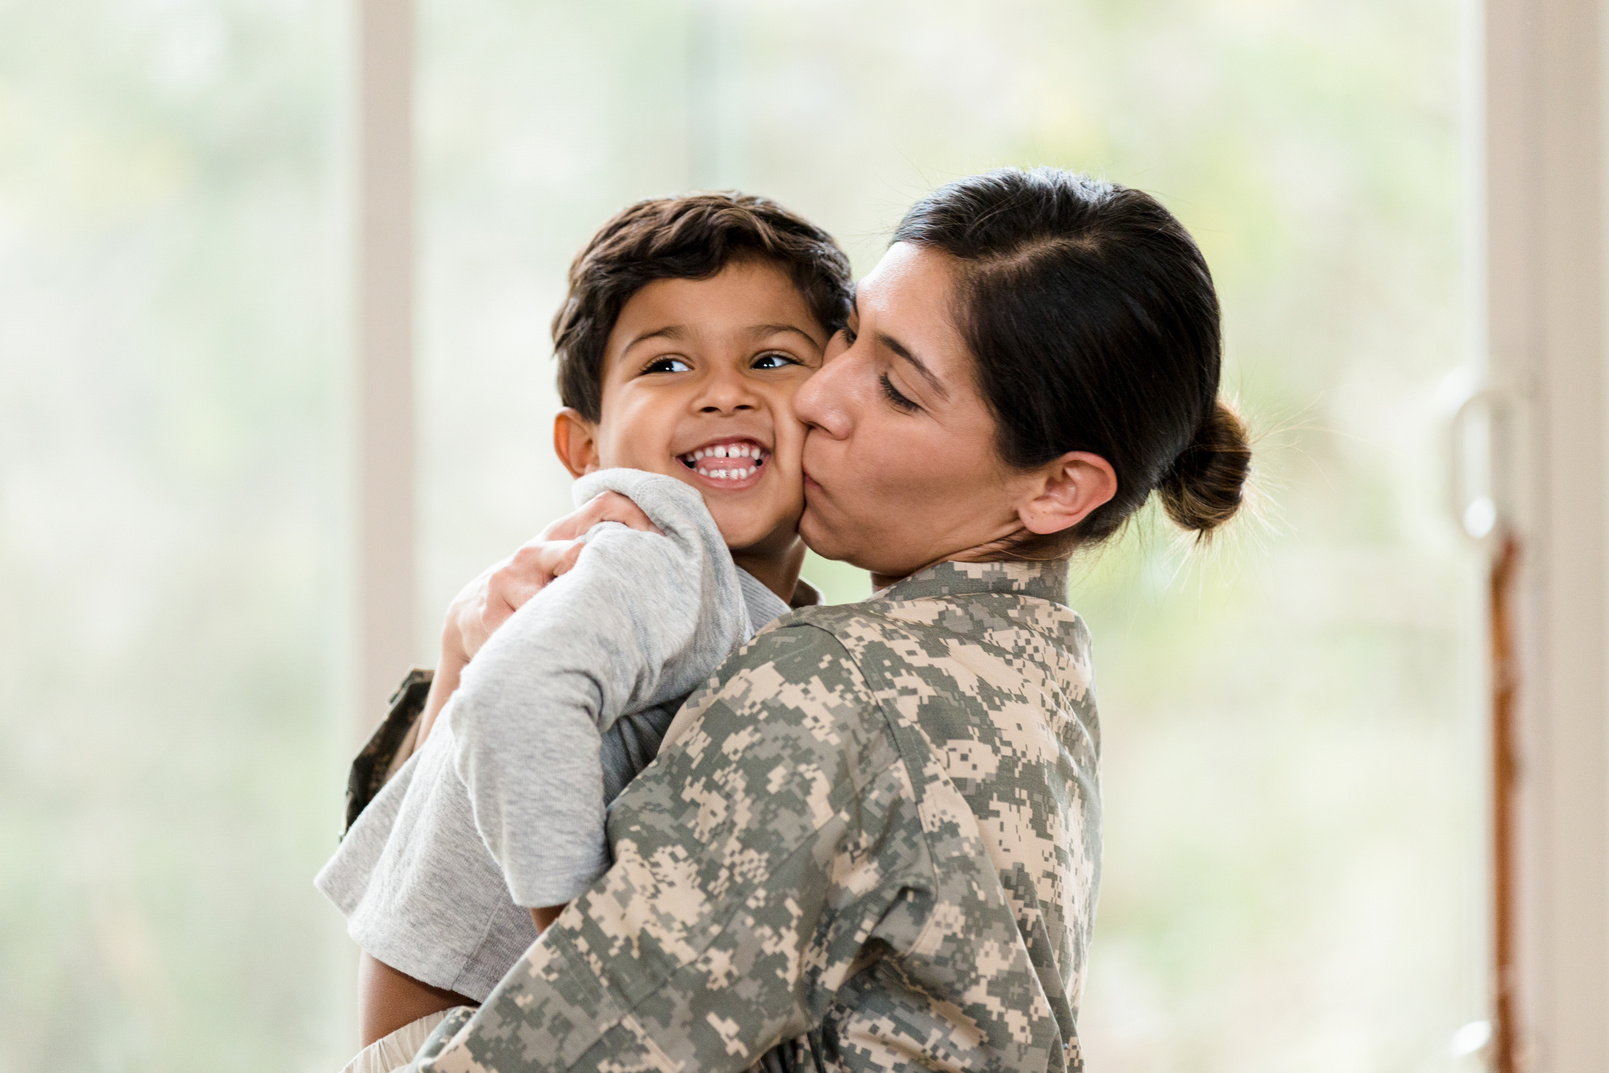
column 689, row 324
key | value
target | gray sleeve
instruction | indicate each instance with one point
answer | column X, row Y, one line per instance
column 641, row 619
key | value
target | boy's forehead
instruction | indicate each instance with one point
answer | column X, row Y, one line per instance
column 749, row 298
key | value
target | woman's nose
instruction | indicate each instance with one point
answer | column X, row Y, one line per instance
column 821, row 401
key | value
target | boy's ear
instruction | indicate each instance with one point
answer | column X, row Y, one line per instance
column 1066, row 491
column 575, row 441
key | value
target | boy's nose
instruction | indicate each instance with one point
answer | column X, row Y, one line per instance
column 726, row 393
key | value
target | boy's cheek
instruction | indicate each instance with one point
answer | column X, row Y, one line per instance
column 788, row 457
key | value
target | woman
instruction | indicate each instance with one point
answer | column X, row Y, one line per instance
column 874, row 838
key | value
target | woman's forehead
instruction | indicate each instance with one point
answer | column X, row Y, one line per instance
column 910, row 297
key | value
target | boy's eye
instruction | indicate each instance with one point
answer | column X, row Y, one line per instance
column 668, row 365
column 849, row 335
column 774, row 360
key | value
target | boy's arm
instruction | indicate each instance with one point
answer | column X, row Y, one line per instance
column 486, row 603
column 640, row 619
column 389, row 999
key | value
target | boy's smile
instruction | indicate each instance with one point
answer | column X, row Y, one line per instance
column 698, row 383
column 732, row 464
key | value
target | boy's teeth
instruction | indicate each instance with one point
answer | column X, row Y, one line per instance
column 724, row 450
column 728, row 474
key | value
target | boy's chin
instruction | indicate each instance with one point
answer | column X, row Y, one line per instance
column 746, row 538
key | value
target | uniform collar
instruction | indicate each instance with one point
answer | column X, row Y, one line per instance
column 1044, row 580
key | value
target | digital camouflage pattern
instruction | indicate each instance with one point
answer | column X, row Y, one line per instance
column 389, row 746
column 878, row 842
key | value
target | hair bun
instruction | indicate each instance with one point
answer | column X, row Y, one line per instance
column 1203, row 488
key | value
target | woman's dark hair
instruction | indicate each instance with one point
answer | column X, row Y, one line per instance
column 1095, row 327
column 689, row 237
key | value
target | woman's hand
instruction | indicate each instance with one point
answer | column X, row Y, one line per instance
column 486, row 603
column 603, row 507
column 503, row 588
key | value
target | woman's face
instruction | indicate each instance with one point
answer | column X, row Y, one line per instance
column 900, row 464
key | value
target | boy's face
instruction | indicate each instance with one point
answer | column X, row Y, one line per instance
column 698, row 383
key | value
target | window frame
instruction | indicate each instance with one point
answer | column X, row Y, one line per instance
column 1541, row 332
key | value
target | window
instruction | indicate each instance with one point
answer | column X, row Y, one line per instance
column 171, row 557
column 1294, row 768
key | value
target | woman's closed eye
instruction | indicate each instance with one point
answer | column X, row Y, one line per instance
column 892, row 394
column 668, row 364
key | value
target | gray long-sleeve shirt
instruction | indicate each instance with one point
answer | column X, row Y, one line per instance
column 503, row 807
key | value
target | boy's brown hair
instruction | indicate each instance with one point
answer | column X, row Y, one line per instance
column 691, row 237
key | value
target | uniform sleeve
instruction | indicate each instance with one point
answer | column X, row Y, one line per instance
column 753, row 860
column 642, row 618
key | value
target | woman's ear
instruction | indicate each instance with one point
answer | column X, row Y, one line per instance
column 1066, row 492
column 575, row 441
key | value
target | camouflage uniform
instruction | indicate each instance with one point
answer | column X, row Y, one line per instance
column 878, row 843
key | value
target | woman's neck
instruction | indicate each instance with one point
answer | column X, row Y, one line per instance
column 996, row 550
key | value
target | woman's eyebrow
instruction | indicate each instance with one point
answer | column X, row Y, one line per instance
column 902, row 351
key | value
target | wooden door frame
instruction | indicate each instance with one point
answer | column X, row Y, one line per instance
column 1540, row 208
